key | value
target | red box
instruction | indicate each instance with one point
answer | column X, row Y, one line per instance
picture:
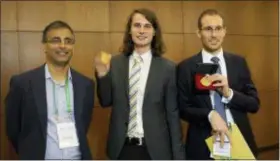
column 200, row 86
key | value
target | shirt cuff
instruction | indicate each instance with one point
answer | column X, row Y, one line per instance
column 227, row 100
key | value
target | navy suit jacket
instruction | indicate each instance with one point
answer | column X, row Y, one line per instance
column 195, row 105
column 26, row 112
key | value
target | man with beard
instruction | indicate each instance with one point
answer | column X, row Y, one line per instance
column 140, row 85
column 211, row 112
column 49, row 109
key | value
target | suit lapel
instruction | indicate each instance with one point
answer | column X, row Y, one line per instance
column 124, row 71
column 230, row 69
column 203, row 95
column 38, row 84
column 152, row 78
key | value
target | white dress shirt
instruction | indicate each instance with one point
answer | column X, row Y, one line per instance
column 145, row 68
column 206, row 57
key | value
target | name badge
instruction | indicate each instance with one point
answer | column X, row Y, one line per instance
column 67, row 135
column 224, row 151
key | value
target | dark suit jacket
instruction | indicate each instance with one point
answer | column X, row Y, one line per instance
column 26, row 112
column 195, row 105
column 161, row 120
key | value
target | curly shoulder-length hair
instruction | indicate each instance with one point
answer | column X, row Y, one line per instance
column 157, row 45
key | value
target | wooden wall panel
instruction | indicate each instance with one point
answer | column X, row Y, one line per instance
column 271, row 17
column 8, row 15
column 169, row 14
column 269, row 155
column 34, row 16
column 191, row 11
column 9, row 67
column 233, row 44
column 116, row 40
column 265, row 123
column 246, row 21
column 3, row 139
column 192, row 45
column 174, row 47
column 31, row 53
column 9, row 62
column 265, row 64
column 98, row 132
column 262, row 56
column 86, row 47
column 88, row 15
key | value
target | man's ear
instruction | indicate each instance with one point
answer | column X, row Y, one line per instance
column 43, row 48
column 225, row 30
column 198, row 33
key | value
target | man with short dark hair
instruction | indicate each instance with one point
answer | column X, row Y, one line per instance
column 214, row 111
column 49, row 109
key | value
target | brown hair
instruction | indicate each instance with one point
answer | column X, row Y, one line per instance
column 210, row 12
column 157, row 45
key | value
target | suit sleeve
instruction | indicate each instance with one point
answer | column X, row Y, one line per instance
column 247, row 99
column 104, row 90
column 173, row 117
column 90, row 103
column 188, row 110
column 13, row 112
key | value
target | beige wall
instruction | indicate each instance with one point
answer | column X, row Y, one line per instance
column 252, row 32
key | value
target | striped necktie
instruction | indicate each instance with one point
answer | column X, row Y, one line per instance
column 134, row 78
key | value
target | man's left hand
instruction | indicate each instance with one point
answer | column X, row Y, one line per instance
column 221, row 82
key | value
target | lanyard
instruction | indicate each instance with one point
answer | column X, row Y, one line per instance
column 67, row 95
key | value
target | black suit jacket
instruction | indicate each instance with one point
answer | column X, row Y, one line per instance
column 161, row 120
column 26, row 112
column 195, row 105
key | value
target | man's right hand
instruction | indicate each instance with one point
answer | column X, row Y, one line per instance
column 219, row 127
column 102, row 63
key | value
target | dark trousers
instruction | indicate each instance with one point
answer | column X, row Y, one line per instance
column 134, row 152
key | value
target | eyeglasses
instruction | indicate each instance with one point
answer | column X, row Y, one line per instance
column 209, row 29
column 57, row 41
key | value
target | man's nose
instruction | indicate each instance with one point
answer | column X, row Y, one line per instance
column 213, row 33
column 62, row 44
column 141, row 30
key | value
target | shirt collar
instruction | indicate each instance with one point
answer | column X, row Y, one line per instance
column 207, row 56
column 48, row 74
column 145, row 56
